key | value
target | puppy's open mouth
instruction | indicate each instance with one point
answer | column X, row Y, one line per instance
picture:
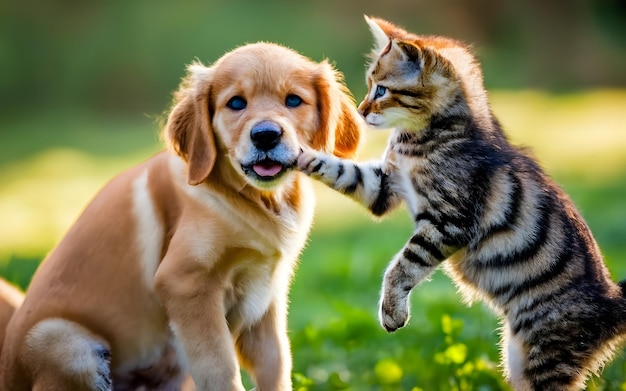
column 266, row 170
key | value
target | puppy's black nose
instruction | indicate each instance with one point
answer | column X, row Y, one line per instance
column 266, row 135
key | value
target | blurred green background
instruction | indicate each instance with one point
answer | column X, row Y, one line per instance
column 82, row 84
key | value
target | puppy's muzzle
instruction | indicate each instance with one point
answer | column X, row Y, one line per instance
column 266, row 135
column 271, row 155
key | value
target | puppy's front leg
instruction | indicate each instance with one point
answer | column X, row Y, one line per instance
column 264, row 350
column 196, row 313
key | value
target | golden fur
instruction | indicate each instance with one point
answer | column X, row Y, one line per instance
column 183, row 263
column 10, row 300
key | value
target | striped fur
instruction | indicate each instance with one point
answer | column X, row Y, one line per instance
column 507, row 233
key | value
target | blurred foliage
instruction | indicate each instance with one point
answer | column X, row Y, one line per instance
column 81, row 84
column 125, row 57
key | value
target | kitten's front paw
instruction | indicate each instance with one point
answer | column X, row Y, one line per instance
column 393, row 314
column 310, row 163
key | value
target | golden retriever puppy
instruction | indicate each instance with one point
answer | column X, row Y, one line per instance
column 183, row 263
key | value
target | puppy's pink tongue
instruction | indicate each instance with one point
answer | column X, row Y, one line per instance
column 267, row 169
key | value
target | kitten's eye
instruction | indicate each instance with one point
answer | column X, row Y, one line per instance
column 236, row 103
column 380, row 91
column 293, row 100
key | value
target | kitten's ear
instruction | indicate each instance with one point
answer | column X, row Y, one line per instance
column 381, row 39
column 411, row 52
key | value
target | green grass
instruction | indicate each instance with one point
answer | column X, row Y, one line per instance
column 51, row 166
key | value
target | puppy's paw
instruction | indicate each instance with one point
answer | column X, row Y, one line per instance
column 80, row 357
column 102, row 380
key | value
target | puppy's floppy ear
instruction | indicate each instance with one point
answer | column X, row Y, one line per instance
column 188, row 130
column 340, row 125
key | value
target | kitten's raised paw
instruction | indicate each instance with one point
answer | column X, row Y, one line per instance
column 310, row 162
column 393, row 315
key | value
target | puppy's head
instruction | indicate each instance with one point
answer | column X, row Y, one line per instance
column 257, row 106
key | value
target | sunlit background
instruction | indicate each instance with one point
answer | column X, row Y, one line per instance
column 82, row 85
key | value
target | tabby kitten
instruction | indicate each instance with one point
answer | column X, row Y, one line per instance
column 507, row 233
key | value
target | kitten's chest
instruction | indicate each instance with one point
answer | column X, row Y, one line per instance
column 407, row 175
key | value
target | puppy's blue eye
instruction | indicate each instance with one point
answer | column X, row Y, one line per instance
column 236, row 103
column 293, row 100
column 380, row 91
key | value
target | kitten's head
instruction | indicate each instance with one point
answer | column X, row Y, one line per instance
column 411, row 78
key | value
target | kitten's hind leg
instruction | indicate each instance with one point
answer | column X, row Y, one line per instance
column 417, row 260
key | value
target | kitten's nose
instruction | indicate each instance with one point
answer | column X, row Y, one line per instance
column 266, row 135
